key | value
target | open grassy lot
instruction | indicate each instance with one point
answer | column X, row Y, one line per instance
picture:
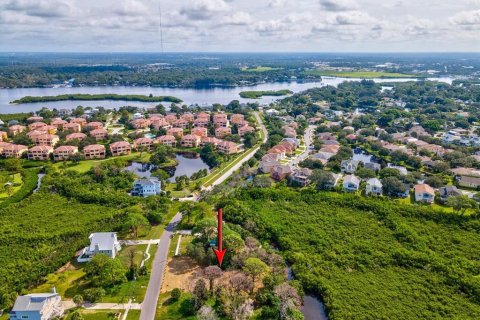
column 133, row 315
column 172, row 310
column 99, row 314
column 85, row 165
column 359, row 74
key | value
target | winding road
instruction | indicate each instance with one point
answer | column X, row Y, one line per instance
column 149, row 305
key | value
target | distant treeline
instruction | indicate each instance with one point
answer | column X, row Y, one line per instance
column 259, row 94
column 85, row 97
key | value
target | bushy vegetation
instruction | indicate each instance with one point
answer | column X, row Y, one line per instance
column 259, row 94
column 86, row 97
column 369, row 258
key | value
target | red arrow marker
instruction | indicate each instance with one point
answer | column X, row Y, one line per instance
column 220, row 253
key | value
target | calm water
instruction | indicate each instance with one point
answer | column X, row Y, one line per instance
column 202, row 97
column 313, row 308
column 188, row 166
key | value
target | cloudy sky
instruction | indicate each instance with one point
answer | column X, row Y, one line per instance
column 240, row 25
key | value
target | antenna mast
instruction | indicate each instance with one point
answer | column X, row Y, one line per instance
column 160, row 25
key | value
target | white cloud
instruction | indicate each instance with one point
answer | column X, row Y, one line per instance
column 353, row 18
column 338, row 5
column 39, row 8
column 466, row 18
column 277, row 3
column 204, row 9
column 239, row 18
column 420, row 27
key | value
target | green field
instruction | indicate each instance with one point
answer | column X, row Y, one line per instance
column 359, row 74
column 260, row 69
column 370, row 258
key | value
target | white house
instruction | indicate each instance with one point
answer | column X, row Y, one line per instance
column 374, row 186
column 37, row 306
column 100, row 242
column 424, row 193
column 351, row 183
column 349, row 166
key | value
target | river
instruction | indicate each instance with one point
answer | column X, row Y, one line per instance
column 202, row 97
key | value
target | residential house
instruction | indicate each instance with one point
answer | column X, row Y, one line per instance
column 171, row 118
column 176, row 132
column 36, row 126
column 167, row 140
column 245, row 129
column 424, row 193
column 469, row 182
column 201, row 122
column 351, row 183
column 142, row 143
column 64, row 153
column 37, row 306
column 301, row 176
column 33, row 134
column 289, row 132
column 418, row 131
column 81, row 121
column 268, row 162
column 227, row 147
column 220, row 120
column 94, row 151
column 349, row 166
column 189, row 117
column 237, row 118
column 94, row 125
column 76, row 136
column 14, row 150
column 72, row 127
column 16, row 129
column 222, row 132
column 448, row 191
column 373, row 166
column 3, row 135
column 50, row 129
column 100, row 243
column 200, row 131
column 34, row 119
column 146, row 187
column 120, row 148
column 322, row 156
column 138, row 115
column 403, row 171
column 58, row 123
column 141, row 123
column 181, row 123
column 99, row 134
column 42, row 152
column 280, row 172
column 202, row 115
column 46, row 140
column 209, row 140
column 160, row 124
column 374, row 186
column 3, row 145
column 190, row 141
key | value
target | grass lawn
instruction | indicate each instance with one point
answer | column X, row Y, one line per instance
column 64, row 282
column 359, row 74
column 99, row 314
column 260, row 69
column 133, row 315
column 168, row 310
column 84, row 166
column 17, row 184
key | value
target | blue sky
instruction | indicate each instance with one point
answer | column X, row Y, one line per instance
column 240, row 25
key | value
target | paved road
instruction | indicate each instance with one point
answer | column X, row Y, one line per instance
column 149, row 305
column 308, row 142
column 237, row 166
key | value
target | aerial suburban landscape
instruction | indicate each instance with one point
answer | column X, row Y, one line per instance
column 211, row 159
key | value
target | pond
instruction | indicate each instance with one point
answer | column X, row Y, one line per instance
column 313, row 308
column 187, row 165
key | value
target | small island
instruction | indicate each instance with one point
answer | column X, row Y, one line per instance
column 259, row 94
column 87, row 97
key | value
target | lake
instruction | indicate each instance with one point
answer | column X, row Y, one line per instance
column 202, row 97
column 186, row 166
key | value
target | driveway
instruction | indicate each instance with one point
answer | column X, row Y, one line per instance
column 308, row 142
column 149, row 305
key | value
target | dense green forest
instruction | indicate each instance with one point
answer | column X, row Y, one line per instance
column 369, row 258
column 259, row 94
column 83, row 97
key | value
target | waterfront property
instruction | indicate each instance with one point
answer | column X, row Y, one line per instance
column 100, row 242
column 120, row 148
column 146, row 187
column 40, row 153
